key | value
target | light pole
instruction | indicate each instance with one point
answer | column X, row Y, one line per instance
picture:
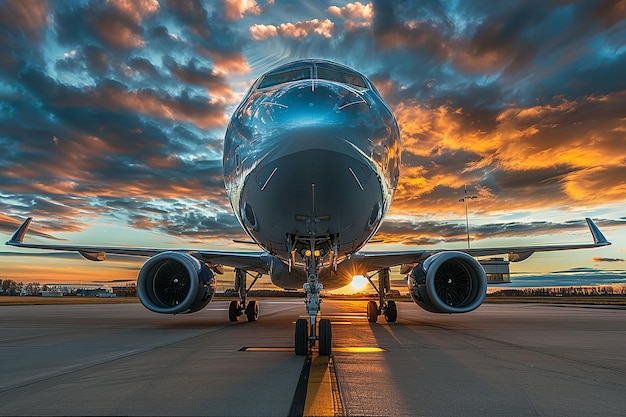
column 464, row 200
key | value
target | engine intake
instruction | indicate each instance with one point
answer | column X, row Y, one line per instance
column 448, row 282
column 175, row 283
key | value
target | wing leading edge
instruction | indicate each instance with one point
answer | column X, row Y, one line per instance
column 250, row 261
column 379, row 260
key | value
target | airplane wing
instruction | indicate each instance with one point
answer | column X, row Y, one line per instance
column 250, row 261
column 261, row 261
column 379, row 260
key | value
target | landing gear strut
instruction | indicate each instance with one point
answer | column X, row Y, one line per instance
column 238, row 307
column 306, row 333
column 387, row 308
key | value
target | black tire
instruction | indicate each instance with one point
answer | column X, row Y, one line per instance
column 326, row 337
column 252, row 311
column 372, row 311
column 233, row 311
column 301, row 342
column 391, row 312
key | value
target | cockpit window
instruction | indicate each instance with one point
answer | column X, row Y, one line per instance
column 341, row 77
column 284, row 77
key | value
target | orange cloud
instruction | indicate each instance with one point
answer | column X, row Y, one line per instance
column 356, row 10
column 124, row 32
column 574, row 149
column 29, row 15
column 135, row 9
column 296, row 30
column 356, row 15
column 228, row 62
column 235, row 9
column 200, row 111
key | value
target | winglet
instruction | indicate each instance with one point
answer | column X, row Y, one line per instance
column 18, row 236
column 598, row 237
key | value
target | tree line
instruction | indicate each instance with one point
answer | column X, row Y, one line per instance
column 560, row 291
column 11, row 287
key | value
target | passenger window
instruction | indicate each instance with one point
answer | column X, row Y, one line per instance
column 341, row 77
column 285, row 77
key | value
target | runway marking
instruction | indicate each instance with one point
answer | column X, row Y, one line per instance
column 319, row 393
column 342, row 349
column 267, row 349
column 358, row 349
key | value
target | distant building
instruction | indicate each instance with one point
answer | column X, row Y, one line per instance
column 497, row 270
column 52, row 293
column 93, row 292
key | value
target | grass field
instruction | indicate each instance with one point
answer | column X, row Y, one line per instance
column 593, row 300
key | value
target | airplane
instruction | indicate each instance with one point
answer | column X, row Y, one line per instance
column 311, row 162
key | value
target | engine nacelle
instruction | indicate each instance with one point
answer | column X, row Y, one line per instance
column 448, row 282
column 175, row 283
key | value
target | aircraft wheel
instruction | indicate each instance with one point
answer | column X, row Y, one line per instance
column 391, row 312
column 302, row 337
column 372, row 311
column 326, row 337
column 252, row 311
column 233, row 311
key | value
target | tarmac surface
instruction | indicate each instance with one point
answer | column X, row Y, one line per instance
column 502, row 359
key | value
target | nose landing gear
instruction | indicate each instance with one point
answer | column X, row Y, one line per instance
column 307, row 334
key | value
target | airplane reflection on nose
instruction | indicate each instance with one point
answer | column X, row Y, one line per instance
column 311, row 103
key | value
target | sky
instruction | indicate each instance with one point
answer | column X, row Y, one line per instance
column 112, row 117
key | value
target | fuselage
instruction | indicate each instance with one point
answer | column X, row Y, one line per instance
column 311, row 159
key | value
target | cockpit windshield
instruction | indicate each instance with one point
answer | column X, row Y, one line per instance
column 286, row 76
column 340, row 77
column 320, row 71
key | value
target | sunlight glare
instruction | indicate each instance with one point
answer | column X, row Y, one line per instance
column 358, row 282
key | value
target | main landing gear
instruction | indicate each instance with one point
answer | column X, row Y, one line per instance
column 307, row 333
column 239, row 307
column 387, row 308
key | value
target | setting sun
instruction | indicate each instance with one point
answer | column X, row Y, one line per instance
column 358, row 282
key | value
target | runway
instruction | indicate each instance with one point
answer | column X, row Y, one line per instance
column 512, row 359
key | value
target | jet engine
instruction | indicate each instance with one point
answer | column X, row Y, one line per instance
column 175, row 283
column 448, row 282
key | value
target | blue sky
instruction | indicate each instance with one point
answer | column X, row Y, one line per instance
column 112, row 116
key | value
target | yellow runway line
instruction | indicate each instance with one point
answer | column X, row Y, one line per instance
column 319, row 397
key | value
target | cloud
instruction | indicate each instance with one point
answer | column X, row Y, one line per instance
column 115, row 96
column 356, row 10
column 192, row 15
column 115, row 24
column 28, row 16
column 296, row 30
column 193, row 74
column 408, row 230
column 546, row 153
column 356, row 15
column 235, row 9
column 136, row 9
column 601, row 259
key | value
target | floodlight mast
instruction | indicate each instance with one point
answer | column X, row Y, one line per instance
column 464, row 200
